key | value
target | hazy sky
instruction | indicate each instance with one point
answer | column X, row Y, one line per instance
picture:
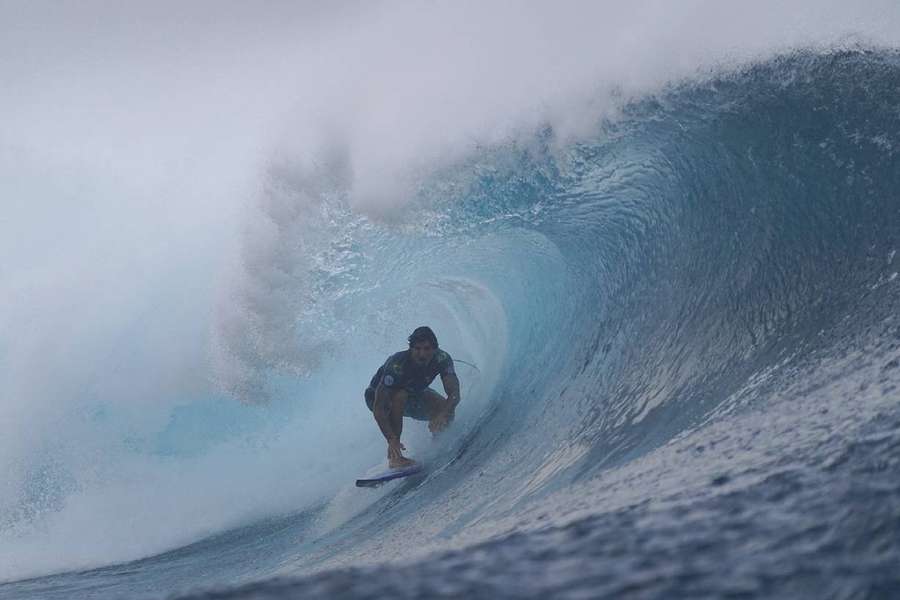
column 146, row 85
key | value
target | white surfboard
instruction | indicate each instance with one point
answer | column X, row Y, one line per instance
column 388, row 475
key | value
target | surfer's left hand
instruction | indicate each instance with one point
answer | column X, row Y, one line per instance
column 440, row 421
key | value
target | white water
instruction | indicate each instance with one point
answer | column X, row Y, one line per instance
column 140, row 250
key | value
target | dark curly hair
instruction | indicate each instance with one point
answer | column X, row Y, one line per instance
column 423, row 334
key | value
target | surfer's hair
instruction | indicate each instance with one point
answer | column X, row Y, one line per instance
column 422, row 334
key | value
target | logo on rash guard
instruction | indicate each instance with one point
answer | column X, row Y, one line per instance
column 388, row 380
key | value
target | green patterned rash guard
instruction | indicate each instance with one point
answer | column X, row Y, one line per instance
column 399, row 371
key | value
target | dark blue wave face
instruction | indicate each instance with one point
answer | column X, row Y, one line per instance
column 711, row 235
column 699, row 394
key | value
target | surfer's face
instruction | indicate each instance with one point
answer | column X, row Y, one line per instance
column 421, row 352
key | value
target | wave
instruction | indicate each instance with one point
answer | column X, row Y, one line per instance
column 720, row 258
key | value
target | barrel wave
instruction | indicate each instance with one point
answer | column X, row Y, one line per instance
column 686, row 345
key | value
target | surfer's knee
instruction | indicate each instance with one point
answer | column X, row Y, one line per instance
column 387, row 401
column 436, row 402
column 398, row 400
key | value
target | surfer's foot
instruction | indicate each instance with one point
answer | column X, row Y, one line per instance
column 400, row 463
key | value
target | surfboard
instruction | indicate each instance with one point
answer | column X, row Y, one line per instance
column 389, row 475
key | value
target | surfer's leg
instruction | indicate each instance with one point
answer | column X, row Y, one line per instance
column 437, row 408
column 417, row 404
column 434, row 403
column 387, row 408
column 398, row 404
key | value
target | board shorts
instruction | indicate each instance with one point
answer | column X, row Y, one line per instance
column 415, row 407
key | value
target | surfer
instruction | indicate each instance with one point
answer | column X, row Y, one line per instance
column 400, row 389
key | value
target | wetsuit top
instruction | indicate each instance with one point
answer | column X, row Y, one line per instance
column 399, row 371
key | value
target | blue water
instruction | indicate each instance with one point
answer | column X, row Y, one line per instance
column 687, row 332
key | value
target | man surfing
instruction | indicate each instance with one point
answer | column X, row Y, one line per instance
column 400, row 389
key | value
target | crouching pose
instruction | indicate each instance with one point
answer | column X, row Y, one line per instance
column 400, row 389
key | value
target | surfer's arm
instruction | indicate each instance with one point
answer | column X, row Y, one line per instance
column 451, row 386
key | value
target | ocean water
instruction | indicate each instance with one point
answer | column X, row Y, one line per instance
column 680, row 335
